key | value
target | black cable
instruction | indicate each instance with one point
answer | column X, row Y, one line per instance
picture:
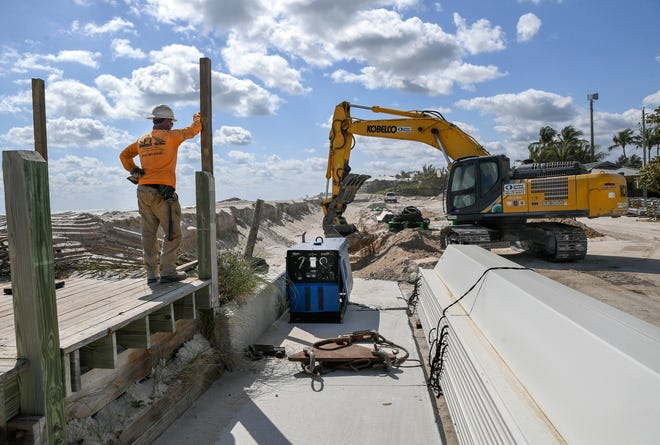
column 413, row 299
column 438, row 345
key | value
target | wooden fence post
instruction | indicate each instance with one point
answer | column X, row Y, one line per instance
column 39, row 117
column 207, row 253
column 206, row 110
column 254, row 229
column 27, row 202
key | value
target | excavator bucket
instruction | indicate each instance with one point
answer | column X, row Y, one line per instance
column 349, row 187
column 334, row 224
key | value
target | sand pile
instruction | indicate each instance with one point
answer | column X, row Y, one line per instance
column 394, row 256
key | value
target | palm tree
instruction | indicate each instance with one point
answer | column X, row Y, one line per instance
column 652, row 140
column 653, row 135
column 621, row 139
column 583, row 154
column 537, row 150
column 569, row 146
column 633, row 162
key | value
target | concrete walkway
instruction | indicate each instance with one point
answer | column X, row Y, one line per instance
column 271, row 401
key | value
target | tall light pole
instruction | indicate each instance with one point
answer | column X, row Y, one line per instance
column 591, row 98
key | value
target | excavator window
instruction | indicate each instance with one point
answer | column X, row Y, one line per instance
column 488, row 172
column 475, row 183
column 464, row 186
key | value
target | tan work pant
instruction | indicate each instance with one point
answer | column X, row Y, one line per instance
column 155, row 212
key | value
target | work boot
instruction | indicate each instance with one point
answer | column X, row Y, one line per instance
column 153, row 280
column 177, row 276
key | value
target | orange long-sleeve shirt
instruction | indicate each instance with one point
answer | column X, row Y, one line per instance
column 158, row 153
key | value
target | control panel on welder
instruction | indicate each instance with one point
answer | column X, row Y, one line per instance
column 315, row 266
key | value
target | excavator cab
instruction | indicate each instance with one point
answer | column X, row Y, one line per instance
column 474, row 186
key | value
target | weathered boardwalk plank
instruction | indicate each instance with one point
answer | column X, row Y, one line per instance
column 90, row 309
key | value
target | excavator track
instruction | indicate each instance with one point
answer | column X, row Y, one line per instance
column 553, row 241
column 561, row 242
column 465, row 235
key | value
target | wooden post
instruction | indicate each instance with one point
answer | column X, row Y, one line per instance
column 205, row 99
column 39, row 117
column 254, row 229
column 30, row 235
column 207, row 253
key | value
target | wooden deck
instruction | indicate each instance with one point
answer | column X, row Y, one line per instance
column 96, row 317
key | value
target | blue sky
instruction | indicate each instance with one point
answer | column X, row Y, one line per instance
column 499, row 69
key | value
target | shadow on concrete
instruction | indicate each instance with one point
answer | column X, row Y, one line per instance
column 592, row 263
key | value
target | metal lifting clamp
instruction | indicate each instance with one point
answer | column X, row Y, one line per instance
column 343, row 353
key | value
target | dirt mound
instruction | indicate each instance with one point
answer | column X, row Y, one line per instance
column 394, row 256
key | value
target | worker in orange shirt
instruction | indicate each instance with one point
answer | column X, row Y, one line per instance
column 158, row 202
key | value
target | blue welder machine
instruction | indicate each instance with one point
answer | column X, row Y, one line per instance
column 319, row 280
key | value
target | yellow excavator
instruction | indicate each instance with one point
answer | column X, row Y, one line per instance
column 487, row 202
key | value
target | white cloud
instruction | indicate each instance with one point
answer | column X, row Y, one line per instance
column 123, row 48
column 71, row 98
column 209, row 14
column 382, row 47
column 86, row 182
column 173, row 78
column 126, row 99
column 115, row 25
column 480, row 37
column 652, row 100
column 30, row 62
column 86, row 58
column 85, row 133
column 273, row 70
column 16, row 103
column 242, row 157
column 242, row 97
column 66, row 133
column 431, row 63
column 528, row 26
column 534, row 105
column 228, row 135
column 174, row 72
column 467, row 74
column 519, row 116
column 248, row 178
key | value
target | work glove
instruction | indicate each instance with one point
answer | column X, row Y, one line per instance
column 197, row 117
column 137, row 173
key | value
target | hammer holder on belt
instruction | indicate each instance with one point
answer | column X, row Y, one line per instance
column 169, row 195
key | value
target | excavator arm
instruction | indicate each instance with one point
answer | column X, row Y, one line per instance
column 428, row 127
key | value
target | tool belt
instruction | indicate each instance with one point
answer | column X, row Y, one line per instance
column 166, row 191
column 343, row 353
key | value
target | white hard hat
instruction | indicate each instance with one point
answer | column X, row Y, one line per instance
column 162, row 112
